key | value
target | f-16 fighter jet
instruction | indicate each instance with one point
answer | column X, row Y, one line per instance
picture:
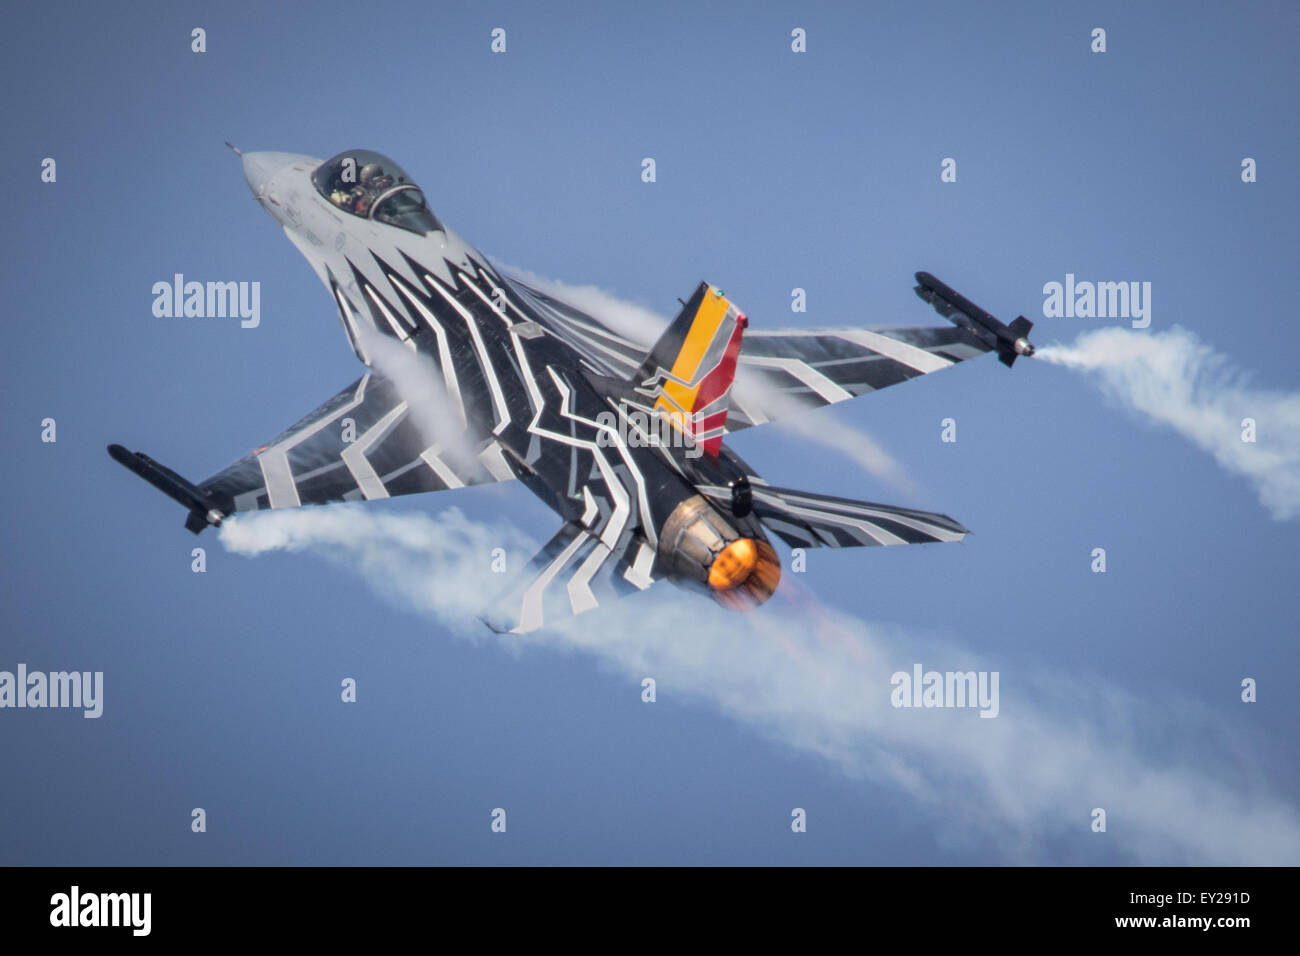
column 626, row 445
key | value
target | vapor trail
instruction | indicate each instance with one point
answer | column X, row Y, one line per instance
column 817, row 680
column 1176, row 380
column 421, row 386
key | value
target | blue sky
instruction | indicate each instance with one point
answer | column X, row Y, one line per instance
column 775, row 170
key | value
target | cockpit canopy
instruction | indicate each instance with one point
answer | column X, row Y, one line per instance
column 372, row 186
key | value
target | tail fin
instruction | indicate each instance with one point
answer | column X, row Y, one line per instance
column 689, row 371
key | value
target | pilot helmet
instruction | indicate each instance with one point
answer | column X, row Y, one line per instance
column 370, row 171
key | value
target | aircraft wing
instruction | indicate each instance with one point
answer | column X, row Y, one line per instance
column 784, row 372
column 363, row 443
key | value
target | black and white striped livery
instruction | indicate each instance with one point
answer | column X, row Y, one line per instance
column 473, row 376
column 806, row 520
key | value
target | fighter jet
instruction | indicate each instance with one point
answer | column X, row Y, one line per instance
column 626, row 444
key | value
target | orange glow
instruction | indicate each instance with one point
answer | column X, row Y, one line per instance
column 734, row 565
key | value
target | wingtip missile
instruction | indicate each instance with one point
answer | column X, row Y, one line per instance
column 1010, row 341
column 203, row 510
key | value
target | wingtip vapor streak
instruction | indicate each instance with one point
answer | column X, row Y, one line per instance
column 626, row 446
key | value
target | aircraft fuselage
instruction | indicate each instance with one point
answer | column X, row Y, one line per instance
column 509, row 375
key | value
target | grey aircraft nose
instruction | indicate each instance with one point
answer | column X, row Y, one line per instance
column 260, row 168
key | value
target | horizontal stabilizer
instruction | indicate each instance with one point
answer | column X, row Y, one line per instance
column 807, row 520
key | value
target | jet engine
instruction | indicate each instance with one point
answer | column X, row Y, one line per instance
column 704, row 551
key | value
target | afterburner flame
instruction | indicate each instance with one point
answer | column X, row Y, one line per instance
column 744, row 574
column 733, row 566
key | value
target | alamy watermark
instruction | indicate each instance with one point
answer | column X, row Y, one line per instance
column 922, row 688
column 208, row 300
column 1098, row 300
column 75, row 908
column 637, row 428
column 83, row 689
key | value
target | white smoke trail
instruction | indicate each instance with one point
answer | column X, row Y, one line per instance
column 429, row 407
column 636, row 323
column 855, row 445
column 643, row 327
column 1176, row 380
column 437, row 564
column 819, row 681
column 820, row 427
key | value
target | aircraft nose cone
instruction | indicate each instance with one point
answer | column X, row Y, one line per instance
column 261, row 168
column 257, row 171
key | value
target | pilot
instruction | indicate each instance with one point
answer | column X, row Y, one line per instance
column 375, row 179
